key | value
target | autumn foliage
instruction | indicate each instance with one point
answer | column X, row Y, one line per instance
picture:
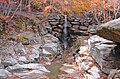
column 77, row 6
column 106, row 8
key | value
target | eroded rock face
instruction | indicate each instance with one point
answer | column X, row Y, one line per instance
column 105, row 53
column 52, row 44
column 84, row 67
column 4, row 73
column 110, row 30
column 22, row 58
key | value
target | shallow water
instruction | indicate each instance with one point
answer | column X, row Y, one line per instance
column 54, row 69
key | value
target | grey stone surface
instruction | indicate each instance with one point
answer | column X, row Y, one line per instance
column 104, row 53
column 52, row 48
column 83, row 28
column 22, row 59
column 48, row 38
column 54, row 23
column 4, row 73
column 75, row 23
column 30, row 66
column 6, row 50
column 8, row 61
column 52, row 44
column 92, row 29
column 35, row 54
column 20, row 50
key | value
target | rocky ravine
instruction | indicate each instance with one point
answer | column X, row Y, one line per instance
column 23, row 59
column 26, row 57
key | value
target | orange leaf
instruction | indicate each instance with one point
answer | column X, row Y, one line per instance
column 44, row 1
column 48, row 8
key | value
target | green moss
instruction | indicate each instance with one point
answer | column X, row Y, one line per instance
column 21, row 38
column 21, row 24
column 78, row 43
column 2, row 32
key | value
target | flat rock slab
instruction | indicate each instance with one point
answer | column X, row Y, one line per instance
column 4, row 73
column 30, row 66
column 110, row 30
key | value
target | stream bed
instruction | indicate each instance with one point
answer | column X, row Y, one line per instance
column 55, row 70
column 57, row 64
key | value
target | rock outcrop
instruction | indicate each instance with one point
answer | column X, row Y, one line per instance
column 84, row 66
column 22, row 59
column 105, row 47
column 105, row 52
column 110, row 30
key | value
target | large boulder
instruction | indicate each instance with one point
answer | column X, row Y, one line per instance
column 4, row 73
column 105, row 52
column 110, row 30
column 52, row 44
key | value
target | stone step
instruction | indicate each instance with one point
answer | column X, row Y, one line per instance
column 83, row 28
column 75, row 22
column 54, row 23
